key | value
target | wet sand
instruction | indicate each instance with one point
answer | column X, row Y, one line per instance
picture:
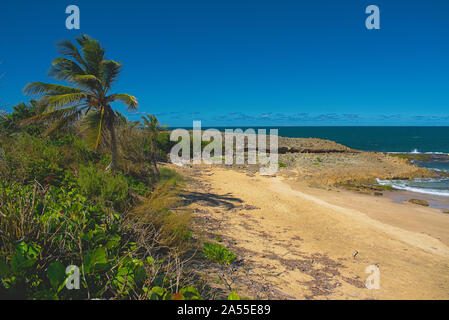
column 436, row 202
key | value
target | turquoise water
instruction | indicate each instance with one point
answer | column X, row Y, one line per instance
column 431, row 140
column 434, row 140
column 383, row 139
column 438, row 187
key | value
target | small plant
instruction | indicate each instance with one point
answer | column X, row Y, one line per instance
column 282, row 165
column 233, row 296
column 216, row 252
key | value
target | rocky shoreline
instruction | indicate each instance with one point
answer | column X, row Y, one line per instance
column 328, row 163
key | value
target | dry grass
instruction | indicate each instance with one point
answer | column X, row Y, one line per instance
column 162, row 211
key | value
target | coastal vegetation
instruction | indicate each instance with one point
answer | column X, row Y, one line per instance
column 90, row 77
column 84, row 191
column 218, row 253
column 80, row 186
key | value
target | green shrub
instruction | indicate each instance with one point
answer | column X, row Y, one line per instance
column 27, row 158
column 58, row 207
column 10, row 123
column 110, row 189
column 164, row 145
column 44, row 232
column 137, row 186
column 216, row 252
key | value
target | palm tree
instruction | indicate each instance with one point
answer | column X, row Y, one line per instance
column 153, row 128
column 90, row 77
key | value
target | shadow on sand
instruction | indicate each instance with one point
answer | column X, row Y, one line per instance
column 216, row 200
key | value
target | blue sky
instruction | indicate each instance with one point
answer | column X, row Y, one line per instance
column 248, row 63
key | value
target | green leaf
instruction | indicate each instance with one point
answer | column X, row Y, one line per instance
column 24, row 257
column 95, row 260
column 190, row 293
column 56, row 274
column 99, row 255
column 233, row 296
column 124, row 279
column 157, row 293
column 113, row 242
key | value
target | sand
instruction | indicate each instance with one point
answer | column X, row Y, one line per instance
column 298, row 242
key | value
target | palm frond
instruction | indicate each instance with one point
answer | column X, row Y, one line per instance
column 67, row 48
column 93, row 54
column 51, row 116
column 93, row 126
column 128, row 100
column 57, row 101
column 111, row 70
column 65, row 69
column 39, row 88
column 152, row 123
column 88, row 81
column 68, row 119
column 82, row 39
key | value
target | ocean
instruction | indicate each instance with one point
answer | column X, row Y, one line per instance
column 382, row 139
column 416, row 140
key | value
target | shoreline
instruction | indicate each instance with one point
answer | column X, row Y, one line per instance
column 435, row 202
column 298, row 242
column 312, row 230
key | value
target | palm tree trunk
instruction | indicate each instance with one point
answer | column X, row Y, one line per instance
column 155, row 164
column 114, row 152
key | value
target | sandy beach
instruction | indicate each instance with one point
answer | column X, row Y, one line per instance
column 295, row 241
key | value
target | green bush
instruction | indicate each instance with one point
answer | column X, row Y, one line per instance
column 164, row 145
column 27, row 158
column 45, row 231
column 59, row 207
column 216, row 252
column 108, row 188
column 10, row 123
